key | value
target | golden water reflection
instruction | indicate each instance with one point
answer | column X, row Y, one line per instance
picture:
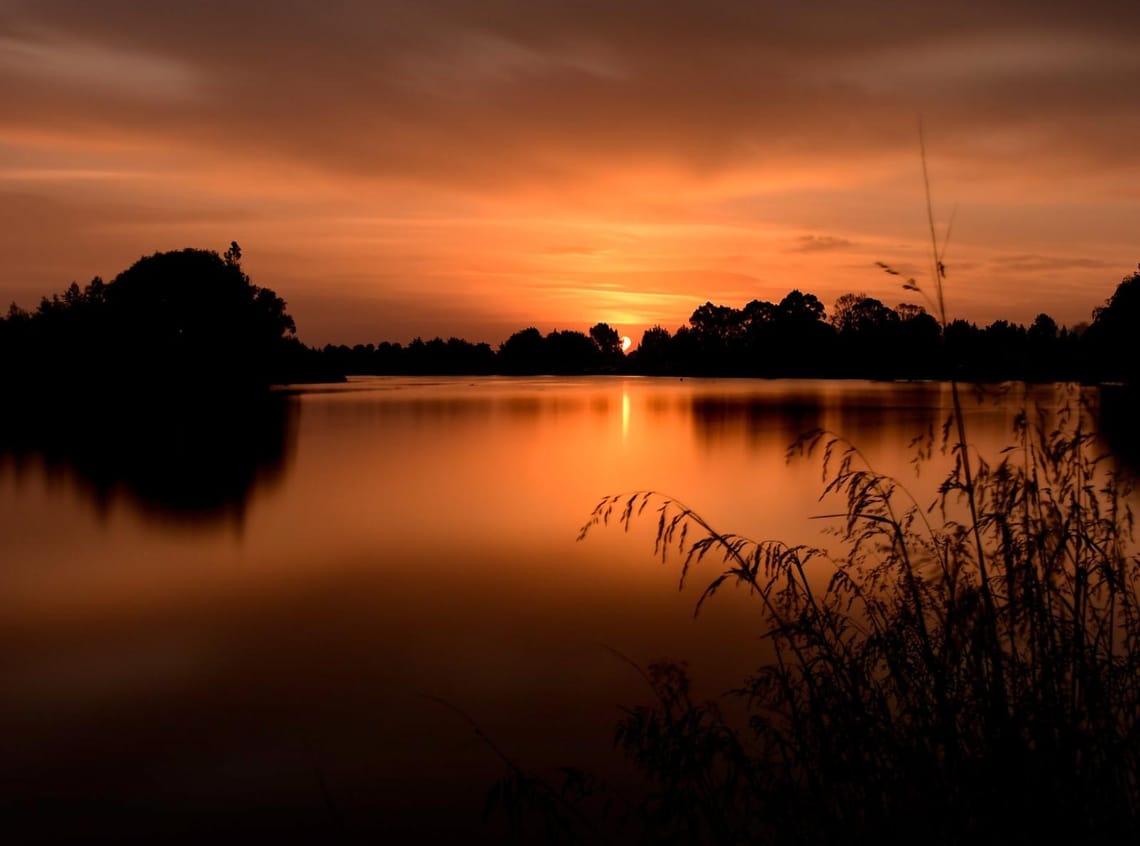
column 417, row 540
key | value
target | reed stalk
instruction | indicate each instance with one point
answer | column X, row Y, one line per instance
column 972, row 677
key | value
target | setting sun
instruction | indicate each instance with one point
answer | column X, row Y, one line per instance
column 626, row 343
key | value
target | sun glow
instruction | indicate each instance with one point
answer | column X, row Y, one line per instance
column 626, row 343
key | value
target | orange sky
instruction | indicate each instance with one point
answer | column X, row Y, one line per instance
column 395, row 169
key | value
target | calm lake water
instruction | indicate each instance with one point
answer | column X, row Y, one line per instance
column 198, row 642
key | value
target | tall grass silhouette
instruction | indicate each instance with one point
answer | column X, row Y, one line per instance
column 971, row 676
column 966, row 668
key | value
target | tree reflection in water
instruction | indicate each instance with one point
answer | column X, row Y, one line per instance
column 180, row 459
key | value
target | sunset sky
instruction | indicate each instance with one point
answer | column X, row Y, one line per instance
column 395, row 169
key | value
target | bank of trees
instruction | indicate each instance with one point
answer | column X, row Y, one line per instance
column 525, row 353
column 862, row 337
column 194, row 317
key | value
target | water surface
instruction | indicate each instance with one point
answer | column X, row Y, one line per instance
column 198, row 639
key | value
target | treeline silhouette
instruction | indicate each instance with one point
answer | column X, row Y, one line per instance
column 527, row 352
column 192, row 319
column 861, row 338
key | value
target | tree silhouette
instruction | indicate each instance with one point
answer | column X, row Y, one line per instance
column 568, row 351
column 194, row 316
column 1112, row 335
column 173, row 321
column 920, row 340
column 860, row 315
column 523, row 352
column 803, row 342
column 868, row 334
column 717, row 335
column 802, row 308
column 607, row 339
column 654, row 354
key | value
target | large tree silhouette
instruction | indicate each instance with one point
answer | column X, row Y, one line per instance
column 173, row 321
column 194, row 316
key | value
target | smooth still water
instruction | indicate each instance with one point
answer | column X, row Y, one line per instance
column 251, row 636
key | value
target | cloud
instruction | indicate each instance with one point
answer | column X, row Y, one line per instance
column 576, row 250
column 1035, row 263
column 526, row 131
column 820, row 243
column 505, row 95
column 80, row 66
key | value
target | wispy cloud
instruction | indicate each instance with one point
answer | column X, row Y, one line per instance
column 91, row 67
column 1028, row 263
column 58, row 175
column 820, row 243
column 576, row 250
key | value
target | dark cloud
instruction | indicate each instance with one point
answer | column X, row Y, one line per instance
column 515, row 92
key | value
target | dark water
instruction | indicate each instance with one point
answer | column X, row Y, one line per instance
column 240, row 624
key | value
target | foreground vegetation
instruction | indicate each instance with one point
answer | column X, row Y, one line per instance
column 964, row 670
column 970, row 669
